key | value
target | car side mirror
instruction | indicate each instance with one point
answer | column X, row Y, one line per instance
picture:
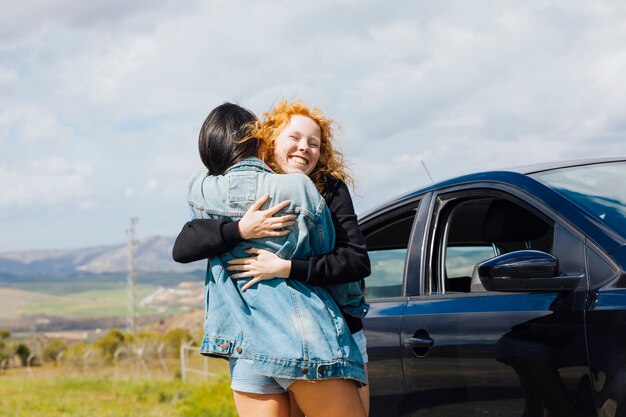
column 525, row 271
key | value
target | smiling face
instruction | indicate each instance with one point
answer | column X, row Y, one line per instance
column 298, row 146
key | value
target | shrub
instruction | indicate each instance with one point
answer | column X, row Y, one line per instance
column 4, row 352
column 23, row 352
column 74, row 354
column 110, row 343
column 52, row 350
column 174, row 338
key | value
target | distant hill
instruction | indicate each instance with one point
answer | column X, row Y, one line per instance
column 153, row 255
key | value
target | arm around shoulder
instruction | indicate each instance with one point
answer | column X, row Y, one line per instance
column 203, row 238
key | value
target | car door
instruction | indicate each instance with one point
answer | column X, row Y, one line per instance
column 389, row 236
column 467, row 351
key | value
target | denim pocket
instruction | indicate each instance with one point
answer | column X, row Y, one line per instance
column 242, row 188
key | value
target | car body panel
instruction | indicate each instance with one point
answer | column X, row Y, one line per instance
column 497, row 353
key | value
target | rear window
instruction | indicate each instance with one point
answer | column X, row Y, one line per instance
column 600, row 189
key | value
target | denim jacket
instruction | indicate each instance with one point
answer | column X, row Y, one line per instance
column 288, row 328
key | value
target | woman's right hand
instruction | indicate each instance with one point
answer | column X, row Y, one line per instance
column 262, row 223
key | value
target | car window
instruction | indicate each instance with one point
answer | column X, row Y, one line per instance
column 600, row 189
column 471, row 230
column 387, row 273
column 460, row 262
column 387, row 244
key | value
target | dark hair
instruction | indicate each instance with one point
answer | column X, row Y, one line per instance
column 221, row 137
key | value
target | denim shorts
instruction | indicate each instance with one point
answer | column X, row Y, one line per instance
column 244, row 379
column 359, row 338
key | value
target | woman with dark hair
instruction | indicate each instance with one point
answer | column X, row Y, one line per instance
column 220, row 141
column 283, row 333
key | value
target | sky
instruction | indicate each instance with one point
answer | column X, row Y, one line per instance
column 101, row 102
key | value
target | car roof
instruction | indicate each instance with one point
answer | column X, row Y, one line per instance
column 498, row 175
column 531, row 169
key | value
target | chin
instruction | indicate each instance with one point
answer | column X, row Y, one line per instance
column 297, row 171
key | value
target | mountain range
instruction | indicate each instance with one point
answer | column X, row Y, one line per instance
column 153, row 254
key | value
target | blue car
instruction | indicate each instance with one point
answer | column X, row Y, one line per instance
column 501, row 294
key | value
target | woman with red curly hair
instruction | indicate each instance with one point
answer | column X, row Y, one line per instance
column 294, row 139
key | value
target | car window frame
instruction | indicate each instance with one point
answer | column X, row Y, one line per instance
column 419, row 204
column 442, row 197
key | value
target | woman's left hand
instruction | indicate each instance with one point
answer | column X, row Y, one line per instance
column 261, row 266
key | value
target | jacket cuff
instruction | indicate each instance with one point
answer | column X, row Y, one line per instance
column 299, row 270
column 230, row 232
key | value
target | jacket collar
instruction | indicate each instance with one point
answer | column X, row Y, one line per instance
column 250, row 164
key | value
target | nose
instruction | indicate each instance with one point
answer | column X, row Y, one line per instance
column 303, row 145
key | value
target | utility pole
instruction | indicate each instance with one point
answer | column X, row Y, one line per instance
column 131, row 326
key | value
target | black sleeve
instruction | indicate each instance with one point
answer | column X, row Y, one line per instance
column 350, row 261
column 202, row 238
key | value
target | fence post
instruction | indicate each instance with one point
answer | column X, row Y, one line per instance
column 57, row 359
column 183, row 359
column 3, row 365
column 185, row 370
column 116, row 357
column 29, row 361
column 161, row 360
column 86, row 356
column 139, row 352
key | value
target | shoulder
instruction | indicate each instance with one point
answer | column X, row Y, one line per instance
column 295, row 187
column 198, row 176
column 336, row 185
column 336, row 189
column 338, row 199
column 294, row 180
column 202, row 183
column 196, row 179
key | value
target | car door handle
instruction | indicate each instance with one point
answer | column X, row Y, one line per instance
column 414, row 342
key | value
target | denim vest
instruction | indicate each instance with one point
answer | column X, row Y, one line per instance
column 288, row 328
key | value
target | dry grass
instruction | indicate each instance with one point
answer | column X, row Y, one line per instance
column 60, row 392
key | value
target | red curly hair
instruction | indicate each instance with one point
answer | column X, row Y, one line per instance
column 331, row 162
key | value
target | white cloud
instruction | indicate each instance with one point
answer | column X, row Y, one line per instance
column 32, row 124
column 151, row 186
column 8, row 75
column 107, row 99
column 87, row 205
column 21, row 18
column 43, row 183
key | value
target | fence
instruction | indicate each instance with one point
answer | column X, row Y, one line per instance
column 129, row 361
column 190, row 356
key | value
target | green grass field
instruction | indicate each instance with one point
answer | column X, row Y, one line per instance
column 81, row 297
column 108, row 301
column 51, row 394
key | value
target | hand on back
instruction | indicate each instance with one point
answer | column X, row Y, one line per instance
column 258, row 223
column 261, row 265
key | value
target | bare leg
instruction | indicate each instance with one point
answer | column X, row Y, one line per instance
column 364, row 393
column 295, row 410
column 328, row 398
column 261, row 405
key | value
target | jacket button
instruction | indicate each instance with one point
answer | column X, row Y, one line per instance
column 305, row 370
column 239, row 349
